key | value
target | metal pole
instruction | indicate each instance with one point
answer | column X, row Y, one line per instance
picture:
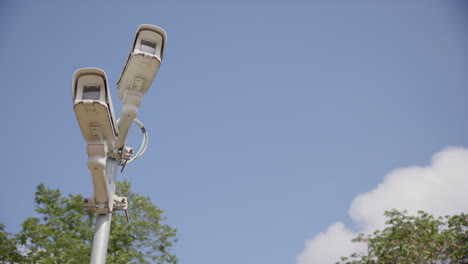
column 101, row 238
column 103, row 221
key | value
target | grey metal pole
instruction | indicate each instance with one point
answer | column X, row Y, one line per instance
column 103, row 221
column 101, row 238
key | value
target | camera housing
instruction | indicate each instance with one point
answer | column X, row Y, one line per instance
column 93, row 106
column 143, row 61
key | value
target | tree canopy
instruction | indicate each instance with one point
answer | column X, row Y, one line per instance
column 63, row 232
column 421, row 239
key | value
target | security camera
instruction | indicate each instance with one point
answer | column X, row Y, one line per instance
column 140, row 69
column 95, row 114
column 93, row 106
column 143, row 61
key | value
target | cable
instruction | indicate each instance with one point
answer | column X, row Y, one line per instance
column 144, row 141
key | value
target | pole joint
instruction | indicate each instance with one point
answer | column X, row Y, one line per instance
column 121, row 155
column 119, row 204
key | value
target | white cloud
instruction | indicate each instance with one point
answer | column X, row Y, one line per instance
column 439, row 189
column 334, row 242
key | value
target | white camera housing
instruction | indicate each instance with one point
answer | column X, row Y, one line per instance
column 143, row 62
column 93, row 106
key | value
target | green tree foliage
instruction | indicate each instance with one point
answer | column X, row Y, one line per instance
column 8, row 251
column 63, row 232
column 421, row 239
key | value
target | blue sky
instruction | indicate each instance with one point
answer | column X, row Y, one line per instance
column 266, row 119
